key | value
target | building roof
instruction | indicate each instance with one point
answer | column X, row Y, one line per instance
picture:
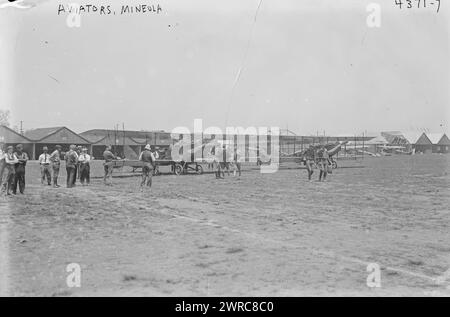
column 435, row 137
column 444, row 140
column 96, row 136
column 120, row 133
column 110, row 140
column 438, row 138
column 142, row 141
column 93, row 138
column 8, row 135
column 37, row 134
column 61, row 135
column 394, row 137
column 418, row 138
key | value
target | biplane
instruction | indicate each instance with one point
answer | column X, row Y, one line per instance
column 298, row 156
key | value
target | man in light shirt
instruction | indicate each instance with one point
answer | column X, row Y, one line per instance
column 83, row 161
column 44, row 162
column 2, row 163
column 10, row 171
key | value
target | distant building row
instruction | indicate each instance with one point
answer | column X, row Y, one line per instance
column 419, row 142
column 130, row 143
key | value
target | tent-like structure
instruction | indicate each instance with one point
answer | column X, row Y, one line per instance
column 419, row 142
column 440, row 141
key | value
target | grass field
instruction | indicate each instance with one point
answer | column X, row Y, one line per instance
column 260, row 234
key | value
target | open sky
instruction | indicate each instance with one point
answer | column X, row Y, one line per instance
column 311, row 66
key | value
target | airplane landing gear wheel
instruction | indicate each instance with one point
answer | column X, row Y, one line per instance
column 178, row 169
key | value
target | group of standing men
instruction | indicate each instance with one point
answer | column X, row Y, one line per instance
column 13, row 163
column 77, row 164
column 12, row 167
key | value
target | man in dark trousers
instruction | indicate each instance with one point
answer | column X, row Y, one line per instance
column 323, row 163
column 44, row 162
column 308, row 159
column 148, row 160
column 71, row 163
column 20, row 169
column 108, row 165
column 55, row 158
column 84, row 160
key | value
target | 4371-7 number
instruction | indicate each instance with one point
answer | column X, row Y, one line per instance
column 409, row 4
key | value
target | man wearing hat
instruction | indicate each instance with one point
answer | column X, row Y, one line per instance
column 20, row 169
column 71, row 163
column 55, row 158
column 108, row 165
column 83, row 161
column 148, row 160
column 9, row 171
column 44, row 162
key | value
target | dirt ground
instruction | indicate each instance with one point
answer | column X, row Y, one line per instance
column 258, row 234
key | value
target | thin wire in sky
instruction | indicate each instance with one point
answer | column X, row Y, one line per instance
column 244, row 60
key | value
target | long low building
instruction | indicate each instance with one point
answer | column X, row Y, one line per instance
column 129, row 144
column 420, row 142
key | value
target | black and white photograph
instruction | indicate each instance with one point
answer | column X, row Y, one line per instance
column 245, row 149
